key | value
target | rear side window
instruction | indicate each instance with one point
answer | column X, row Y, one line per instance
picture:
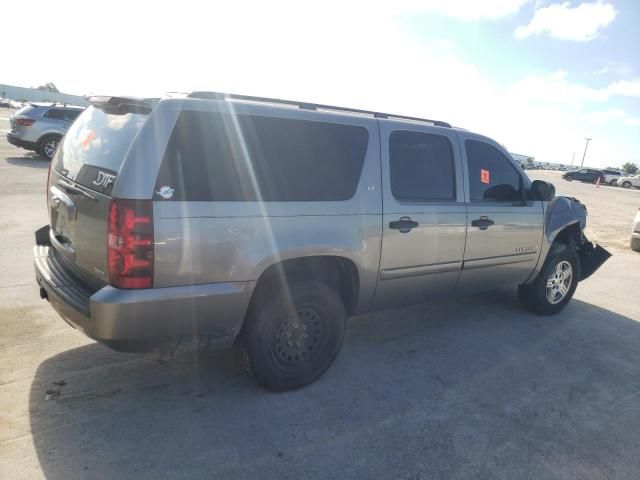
column 421, row 166
column 55, row 114
column 492, row 176
column 71, row 115
column 222, row 157
column 94, row 147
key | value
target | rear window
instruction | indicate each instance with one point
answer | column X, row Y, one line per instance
column 94, row 147
column 220, row 157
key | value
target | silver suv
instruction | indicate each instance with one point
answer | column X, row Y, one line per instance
column 217, row 220
column 40, row 127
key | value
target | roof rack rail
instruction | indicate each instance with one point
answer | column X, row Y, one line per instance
column 309, row 106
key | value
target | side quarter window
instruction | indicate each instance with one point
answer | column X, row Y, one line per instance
column 492, row 177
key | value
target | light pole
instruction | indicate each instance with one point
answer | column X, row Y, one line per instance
column 573, row 158
column 585, row 151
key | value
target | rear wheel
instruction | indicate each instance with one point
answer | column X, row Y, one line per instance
column 635, row 244
column 291, row 338
column 48, row 145
column 626, row 184
column 568, row 178
column 554, row 286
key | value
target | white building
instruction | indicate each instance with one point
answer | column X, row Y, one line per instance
column 34, row 95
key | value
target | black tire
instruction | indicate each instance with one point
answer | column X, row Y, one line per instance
column 533, row 296
column 568, row 178
column 626, row 184
column 613, row 183
column 291, row 338
column 45, row 146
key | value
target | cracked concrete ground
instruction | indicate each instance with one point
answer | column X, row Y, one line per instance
column 475, row 388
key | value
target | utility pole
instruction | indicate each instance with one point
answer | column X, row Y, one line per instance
column 585, row 151
column 573, row 158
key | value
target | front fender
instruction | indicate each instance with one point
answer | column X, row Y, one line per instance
column 566, row 217
column 562, row 212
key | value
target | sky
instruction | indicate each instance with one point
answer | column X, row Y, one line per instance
column 537, row 76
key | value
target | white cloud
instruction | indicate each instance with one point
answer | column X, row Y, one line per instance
column 561, row 21
column 555, row 88
column 625, row 88
column 602, row 117
column 601, row 71
column 632, row 121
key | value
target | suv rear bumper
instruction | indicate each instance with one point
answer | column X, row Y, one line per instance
column 143, row 320
column 18, row 142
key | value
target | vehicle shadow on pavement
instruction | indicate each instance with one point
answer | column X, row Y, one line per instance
column 30, row 160
column 476, row 388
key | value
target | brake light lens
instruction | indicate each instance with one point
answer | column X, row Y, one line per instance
column 130, row 244
column 25, row 122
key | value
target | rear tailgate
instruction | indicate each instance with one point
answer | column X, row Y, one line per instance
column 83, row 173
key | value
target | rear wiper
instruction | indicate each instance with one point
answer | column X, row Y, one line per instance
column 74, row 189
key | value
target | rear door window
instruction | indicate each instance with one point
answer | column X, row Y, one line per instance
column 221, row 157
column 94, row 147
column 421, row 166
column 492, row 176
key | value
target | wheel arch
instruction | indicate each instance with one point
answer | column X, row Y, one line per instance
column 44, row 136
column 338, row 272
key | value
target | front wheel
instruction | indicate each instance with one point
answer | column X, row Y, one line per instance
column 568, row 179
column 291, row 338
column 556, row 283
column 613, row 183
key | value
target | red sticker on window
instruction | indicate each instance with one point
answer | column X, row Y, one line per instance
column 484, row 176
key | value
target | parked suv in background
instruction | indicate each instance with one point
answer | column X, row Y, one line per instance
column 40, row 127
column 611, row 176
column 584, row 175
column 216, row 220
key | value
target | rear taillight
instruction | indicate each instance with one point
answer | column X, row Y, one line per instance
column 25, row 122
column 130, row 243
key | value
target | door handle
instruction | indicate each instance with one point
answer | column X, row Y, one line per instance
column 405, row 224
column 482, row 223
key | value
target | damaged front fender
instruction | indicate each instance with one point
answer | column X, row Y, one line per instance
column 565, row 220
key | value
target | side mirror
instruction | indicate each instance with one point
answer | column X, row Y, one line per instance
column 541, row 190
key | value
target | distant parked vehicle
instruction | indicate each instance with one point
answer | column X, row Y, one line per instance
column 635, row 233
column 628, row 182
column 40, row 128
column 584, row 175
column 611, row 176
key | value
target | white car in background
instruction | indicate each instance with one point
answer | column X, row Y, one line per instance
column 628, row 182
column 635, row 233
column 611, row 176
